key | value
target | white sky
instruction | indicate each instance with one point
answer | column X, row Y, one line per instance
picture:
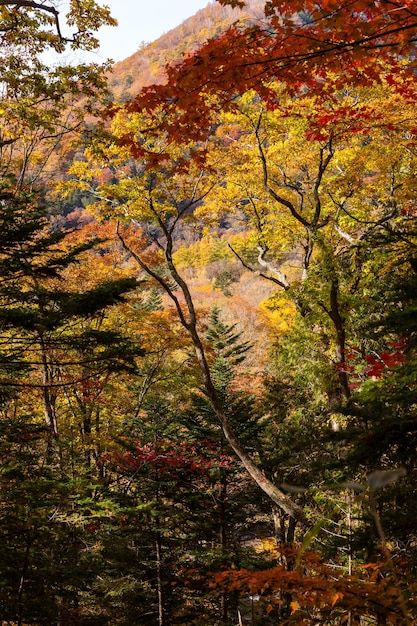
column 141, row 20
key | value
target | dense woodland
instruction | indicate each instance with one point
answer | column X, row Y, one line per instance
column 208, row 366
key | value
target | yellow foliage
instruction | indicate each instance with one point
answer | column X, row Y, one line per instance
column 202, row 252
column 279, row 312
column 295, row 606
column 267, row 544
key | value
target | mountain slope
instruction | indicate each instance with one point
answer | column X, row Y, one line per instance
column 147, row 65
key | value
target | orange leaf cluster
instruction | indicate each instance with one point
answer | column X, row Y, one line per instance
column 301, row 43
column 319, row 591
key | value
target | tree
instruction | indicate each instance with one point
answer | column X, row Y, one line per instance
column 170, row 485
column 316, row 172
column 42, row 101
column 324, row 593
column 55, row 342
column 162, row 193
column 298, row 43
column 27, row 22
column 323, row 203
column 107, row 478
column 37, row 311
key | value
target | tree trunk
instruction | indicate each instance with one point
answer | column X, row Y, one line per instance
column 275, row 494
column 223, row 538
column 339, row 326
column 190, row 324
column 160, row 589
column 22, row 582
column 48, row 397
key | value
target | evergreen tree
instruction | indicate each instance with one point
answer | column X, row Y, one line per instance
column 39, row 314
column 49, row 342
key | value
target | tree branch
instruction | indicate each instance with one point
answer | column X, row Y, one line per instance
column 257, row 272
column 274, row 493
column 30, row 4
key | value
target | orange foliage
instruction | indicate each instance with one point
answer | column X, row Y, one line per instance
column 148, row 65
column 321, row 592
column 301, row 42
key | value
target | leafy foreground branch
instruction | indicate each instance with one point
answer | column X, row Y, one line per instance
column 320, row 591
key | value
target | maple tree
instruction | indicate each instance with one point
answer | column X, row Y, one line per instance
column 312, row 182
column 177, row 481
column 147, row 66
column 320, row 595
column 298, row 43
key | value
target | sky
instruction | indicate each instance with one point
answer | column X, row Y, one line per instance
column 141, row 21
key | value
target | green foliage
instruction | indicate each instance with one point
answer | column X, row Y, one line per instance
column 34, row 305
column 224, row 342
column 43, row 565
column 119, row 495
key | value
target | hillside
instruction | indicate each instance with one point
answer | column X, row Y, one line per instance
column 147, row 65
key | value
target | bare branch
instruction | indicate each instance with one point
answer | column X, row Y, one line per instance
column 153, row 275
column 344, row 234
column 30, row 4
column 257, row 272
column 282, row 279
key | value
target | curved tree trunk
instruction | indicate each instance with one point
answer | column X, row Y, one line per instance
column 188, row 320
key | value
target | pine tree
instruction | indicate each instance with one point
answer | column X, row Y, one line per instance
column 50, row 339
column 39, row 313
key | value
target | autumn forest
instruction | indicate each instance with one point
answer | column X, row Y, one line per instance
column 208, row 318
